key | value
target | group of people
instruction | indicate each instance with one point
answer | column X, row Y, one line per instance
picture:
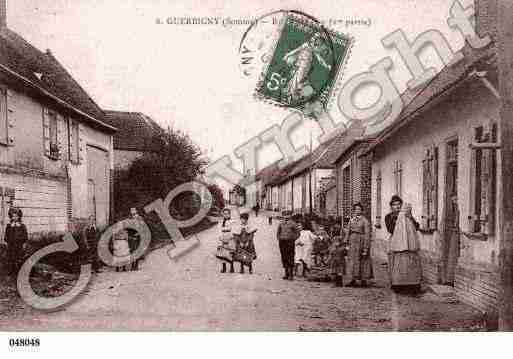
column 236, row 242
column 346, row 251
column 125, row 243
column 345, row 248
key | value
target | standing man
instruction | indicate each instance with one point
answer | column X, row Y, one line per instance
column 287, row 234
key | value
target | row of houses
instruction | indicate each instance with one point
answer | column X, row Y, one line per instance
column 439, row 155
column 58, row 148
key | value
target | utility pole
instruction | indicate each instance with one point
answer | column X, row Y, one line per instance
column 505, row 61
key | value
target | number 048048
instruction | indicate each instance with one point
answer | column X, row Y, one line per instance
column 24, row 342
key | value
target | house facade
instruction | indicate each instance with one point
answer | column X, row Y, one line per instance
column 431, row 157
column 56, row 150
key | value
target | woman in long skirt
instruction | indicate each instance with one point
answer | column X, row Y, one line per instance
column 403, row 258
column 359, row 260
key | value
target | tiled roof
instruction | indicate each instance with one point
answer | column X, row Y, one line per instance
column 135, row 130
column 42, row 71
column 446, row 79
column 267, row 172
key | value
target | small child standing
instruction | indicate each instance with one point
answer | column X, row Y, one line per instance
column 305, row 246
column 226, row 246
column 245, row 252
column 337, row 260
column 121, row 251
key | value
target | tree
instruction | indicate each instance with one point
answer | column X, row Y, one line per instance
column 217, row 196
column 171, row 159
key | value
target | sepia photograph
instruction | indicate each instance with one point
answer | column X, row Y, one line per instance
column 267, row 166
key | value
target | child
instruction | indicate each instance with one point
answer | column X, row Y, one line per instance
column 304, row 247
column 121, row 250
column 245, row 252
column 15, row 236
column 321, row 246
column 226, row 246
column 338, row 252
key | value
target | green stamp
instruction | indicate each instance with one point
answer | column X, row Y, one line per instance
column 305, row 65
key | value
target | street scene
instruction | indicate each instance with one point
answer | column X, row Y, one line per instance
column 311, row 169
column 192, row 294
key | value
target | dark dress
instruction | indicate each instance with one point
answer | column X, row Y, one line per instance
column 359, row 259
column 15, row 236
column 404, row 266
column 91, row 235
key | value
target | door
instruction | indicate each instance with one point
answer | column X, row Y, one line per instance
column 451, row 232
column 98, row 184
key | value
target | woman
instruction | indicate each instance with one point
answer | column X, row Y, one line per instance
column 304, row 247
column 358, row 237
column 15, row 236
column 403, row 257
column 91, row 236
column 226, row 243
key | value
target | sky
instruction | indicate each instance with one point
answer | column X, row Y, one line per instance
column 189, row 77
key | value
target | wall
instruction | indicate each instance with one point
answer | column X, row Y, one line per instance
column 41, row 184
column 468, row 106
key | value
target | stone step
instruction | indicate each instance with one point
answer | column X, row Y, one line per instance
column 444, row 291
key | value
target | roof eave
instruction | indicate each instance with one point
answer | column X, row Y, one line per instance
column 61, row 102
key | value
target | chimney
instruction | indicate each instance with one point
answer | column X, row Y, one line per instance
column 486, row 18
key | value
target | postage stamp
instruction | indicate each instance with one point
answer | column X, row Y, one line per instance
column 306, row 62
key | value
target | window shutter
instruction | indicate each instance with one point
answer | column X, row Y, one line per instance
column 432, row 189
column 487, row 185
column 378, row 198
column 71, row 136
column 61, row 135
column 81, row 143
column 46, row 131
column 472, row 217
column 425, row 191
column 10, row 117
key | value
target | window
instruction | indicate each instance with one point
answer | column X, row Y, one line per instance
column 4, row 122
column 430, row 187
column 50, row 134
column 74, row 141
column 483, row 182
column 378, row 199
column 398, row 178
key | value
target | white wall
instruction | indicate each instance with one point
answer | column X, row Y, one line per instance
column 471, row 105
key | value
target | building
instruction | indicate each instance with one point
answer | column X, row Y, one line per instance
column 431, row 157
column 136, row 134
column 56, row 150
column 326, row 198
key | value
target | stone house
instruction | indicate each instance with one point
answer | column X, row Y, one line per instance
column 56, row 150
column 431, row 157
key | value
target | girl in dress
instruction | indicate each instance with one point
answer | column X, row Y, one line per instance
column 358, row 237
column 245, row 252
column 227, row 245
column 304, row 247
column 15, row 236
column 121, row 251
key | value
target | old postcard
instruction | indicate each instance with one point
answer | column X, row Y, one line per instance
column 267, row 166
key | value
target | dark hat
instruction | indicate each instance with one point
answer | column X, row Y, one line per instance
column 396, row 198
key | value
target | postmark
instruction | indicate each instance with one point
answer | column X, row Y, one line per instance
column 306, row 61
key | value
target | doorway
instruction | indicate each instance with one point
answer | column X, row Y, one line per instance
column 451, row 217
